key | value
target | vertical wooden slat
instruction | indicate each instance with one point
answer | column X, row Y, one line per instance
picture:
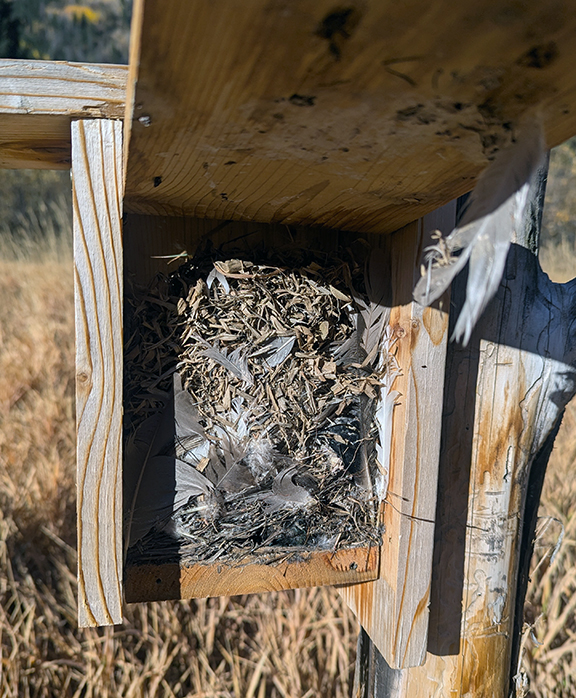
column 394, row 609
column 97, row 200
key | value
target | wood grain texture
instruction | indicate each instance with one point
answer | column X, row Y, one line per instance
column 152, row 243
column 38, row 100
column 505, row 396
column 97, row 205
column 394, row 609
column 171, row 581
column 362, row 116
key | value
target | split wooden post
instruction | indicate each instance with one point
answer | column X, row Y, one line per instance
column 504, row 399
column 97, row 203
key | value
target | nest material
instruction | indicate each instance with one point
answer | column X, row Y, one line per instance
column 282, row 373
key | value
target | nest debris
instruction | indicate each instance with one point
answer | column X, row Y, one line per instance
column 280, row 370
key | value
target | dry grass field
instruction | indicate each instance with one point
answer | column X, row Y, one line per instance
column 290, row 644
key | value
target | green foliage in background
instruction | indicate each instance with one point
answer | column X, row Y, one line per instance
column 10, row 28
column 35, row 205
column 95, row 31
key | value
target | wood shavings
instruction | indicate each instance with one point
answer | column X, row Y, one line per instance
column 282, row 369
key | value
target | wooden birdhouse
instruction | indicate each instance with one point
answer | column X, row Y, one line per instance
column 254, row 155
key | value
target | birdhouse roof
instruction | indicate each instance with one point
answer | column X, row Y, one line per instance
column 362, row 116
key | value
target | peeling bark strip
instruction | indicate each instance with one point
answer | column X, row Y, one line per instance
column 97, row 196
column 505, row 394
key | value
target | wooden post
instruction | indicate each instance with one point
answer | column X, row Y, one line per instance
column 97, row 201
column 504, row 398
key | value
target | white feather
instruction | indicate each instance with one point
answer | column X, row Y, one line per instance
column 383, row 417
column 384, row 414
column 494, row 216
column 286, row 493
column 217, row 274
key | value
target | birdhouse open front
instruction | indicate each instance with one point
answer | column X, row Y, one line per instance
column 257, row 410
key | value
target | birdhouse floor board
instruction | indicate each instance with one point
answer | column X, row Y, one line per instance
column 266, row 446
column 173, row 581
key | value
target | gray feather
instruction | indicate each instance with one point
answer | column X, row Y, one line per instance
column 286, row 493
column 236, row 362
column 236, row 479
column 156, row 484
column 374, row 314
column 276, row 351
column 258, row 461
column 364, row 343
column 185, row 413
column 493, row 217
column 166, row 485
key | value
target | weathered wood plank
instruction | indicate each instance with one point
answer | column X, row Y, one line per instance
column 79, row 90
column 505, row 395
column 394, row 609
column 360, row 117
column 38, row 100
column 97, row 206
column 42, row 143
column 171, row 581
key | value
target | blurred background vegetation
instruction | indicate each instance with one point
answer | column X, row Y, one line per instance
column 96, row 31
column 36, row 205
column 299, row 643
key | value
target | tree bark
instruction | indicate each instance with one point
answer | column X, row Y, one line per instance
column 504, row 399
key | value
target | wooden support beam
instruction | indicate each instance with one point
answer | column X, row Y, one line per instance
column 97, row 205
column 39, row 99
column 505, row 396
column 394, row 608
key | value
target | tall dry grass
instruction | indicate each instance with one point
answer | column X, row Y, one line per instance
column 550, row 610
column 298, row 643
